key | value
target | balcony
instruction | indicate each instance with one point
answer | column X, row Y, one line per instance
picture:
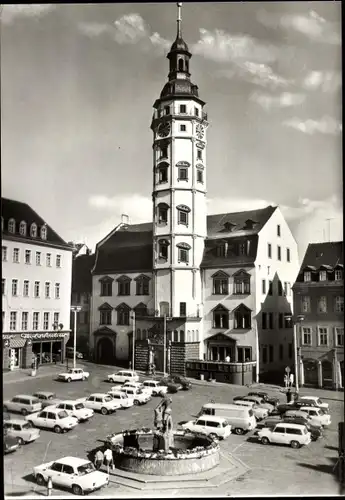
column 175, row 111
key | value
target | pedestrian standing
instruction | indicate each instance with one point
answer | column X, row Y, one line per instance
column 99, row 458
column 108, row 459
column 227, row 359
column 286, row 381
column 291, row 379
column 289, row 395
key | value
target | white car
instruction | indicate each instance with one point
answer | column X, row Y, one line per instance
column 76, row 409
column 121, row 397
column 259, row 412
column 74, row 374
column 55, row 419
column 215, row 427
column 135, row 385
column 155, row 387
column 317, row 416
column 77, row 474
column 317, row 400
column 101, row 402
column 294, row 435
column 124, row 376
column 138, row 396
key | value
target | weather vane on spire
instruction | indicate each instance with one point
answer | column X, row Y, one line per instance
column 179, row 19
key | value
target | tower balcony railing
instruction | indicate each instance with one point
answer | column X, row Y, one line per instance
column 154, row 313
column 175, row 110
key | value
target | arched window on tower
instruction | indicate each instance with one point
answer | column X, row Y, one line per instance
column 162, row 213
column 182, row 214
column 180, row 64
column 163, row 249
column 187, row 65
column 162, row 170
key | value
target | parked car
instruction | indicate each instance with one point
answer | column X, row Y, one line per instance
column 70, row 353
column 294, row 435
column 260, row 402
column 21, row 430
column 101, row 402
column 155, row 387
column 273, row 400
column 46, row 398
column 295, row 405
column 124, row 376
column 6, row 416
column 23, row 404
column 317, row 415
column 259, row 413
column 76, row 409
column 139, row 397
column 53, row 418
column 77, row 474
column 216, row 427
column 317, row 400
column 176, row 383
column 121, row 398
column 135, row 385
column 11, row 444
column 271, row 422
column 73, row 374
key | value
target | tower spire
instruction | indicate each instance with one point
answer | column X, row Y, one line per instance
column 179, row 19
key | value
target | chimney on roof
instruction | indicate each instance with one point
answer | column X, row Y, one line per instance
column 229, row 226
column 125, row 219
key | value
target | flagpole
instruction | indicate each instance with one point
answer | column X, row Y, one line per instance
column 133, row 342
column 164, row 343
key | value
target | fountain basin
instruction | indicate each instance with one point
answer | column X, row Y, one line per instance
column 192, row 453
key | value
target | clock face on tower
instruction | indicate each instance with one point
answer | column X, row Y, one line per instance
column 200, row 132
column 164, row 129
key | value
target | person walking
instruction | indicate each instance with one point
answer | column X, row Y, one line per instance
column 99, row 458
column 108, row 459
column 288, row 395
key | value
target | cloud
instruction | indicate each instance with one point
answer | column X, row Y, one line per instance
column 284, row 100
column 325, row 125
column 130, row 29
column 11, row 12
column 224, row 205
column 311, row 25
column 326, row 81
column 136, row 206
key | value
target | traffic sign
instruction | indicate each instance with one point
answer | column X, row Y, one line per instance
column 287, row 369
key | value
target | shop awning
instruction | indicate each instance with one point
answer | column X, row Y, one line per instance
column 17, row 342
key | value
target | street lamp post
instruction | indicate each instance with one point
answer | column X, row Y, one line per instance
column 75, row 310
column 297, row 320
column 133, row 342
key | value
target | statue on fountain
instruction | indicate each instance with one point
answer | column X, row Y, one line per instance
column 164, row 425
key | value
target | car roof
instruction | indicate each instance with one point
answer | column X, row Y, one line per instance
column 294, row 426
column 212, row 418
column 127, row 371
column 309, row 408
column 44, row 393
column 313, row 398
column 23, row 396
column 17, row 421
column 155, row 381
column 98, row 394
column 72, row 461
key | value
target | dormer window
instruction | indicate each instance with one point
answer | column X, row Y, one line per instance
column 44, row 232
column 338, row 275
column 249, row 224
column 323, row 276
column 163, row 249
column 307, row 276
column 182, row 214
column 11, row 226
column 33, row 230
column 242, row 248
column 163, row 213
column 22, row 228
column 229, row 226
column 162, row 172
column 221, row 250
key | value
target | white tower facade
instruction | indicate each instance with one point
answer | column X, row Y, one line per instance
column 179, row 188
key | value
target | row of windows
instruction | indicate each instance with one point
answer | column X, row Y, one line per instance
column 11, row 227
column 322, row 336
column 281, row 290
column 223, row 353
column 242, row 317
column 241, row 286
column 279, row 252
column 124, row 286
column 182, row 214
column 182, row 173
column 163, row 152
column 267, row 353
column 322, row 304
column 39, row 321
column 183, row 251
column 36, row 289
column 181, row 109
column 268, row 320
column 323, row 275
column 172, row 335
column 28, row 257
column 241, row 248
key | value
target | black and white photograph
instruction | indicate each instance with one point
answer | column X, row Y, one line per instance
column 172, row 249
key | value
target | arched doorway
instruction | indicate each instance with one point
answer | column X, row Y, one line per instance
column 105, row 351
column 327, row 373
column 310, row 372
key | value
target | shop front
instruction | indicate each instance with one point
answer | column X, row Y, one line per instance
column 20, row 349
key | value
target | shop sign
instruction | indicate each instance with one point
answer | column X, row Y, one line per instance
column 46, row 335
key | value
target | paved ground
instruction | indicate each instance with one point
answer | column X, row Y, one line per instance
column 273, row 470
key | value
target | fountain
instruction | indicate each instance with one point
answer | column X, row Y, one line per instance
column 164, row 451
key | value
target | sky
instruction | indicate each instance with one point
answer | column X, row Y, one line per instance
column 78, row 83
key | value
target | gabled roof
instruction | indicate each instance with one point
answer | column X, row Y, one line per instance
column 130, row 247
column 81, row 273
column 12, row 209
column 321, row 254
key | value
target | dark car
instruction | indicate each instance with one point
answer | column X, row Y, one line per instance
column 186, row 385
column 294, row 405
column 11, row 444
column 176, row 383
column 273, row 400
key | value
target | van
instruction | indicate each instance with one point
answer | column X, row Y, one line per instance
column 23, row 404
column 241, row 418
